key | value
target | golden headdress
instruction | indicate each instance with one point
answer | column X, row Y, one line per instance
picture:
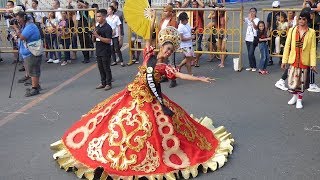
column 169, row 34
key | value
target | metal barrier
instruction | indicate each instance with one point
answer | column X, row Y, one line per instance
column 57, row 39
column 211, row 31
column 276, row 33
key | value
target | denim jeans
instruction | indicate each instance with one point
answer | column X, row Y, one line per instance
column 52, row 41
column 252, row 58
column 66, row 45
column 264, row 51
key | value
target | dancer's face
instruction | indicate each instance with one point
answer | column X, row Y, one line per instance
column 167, row 50
column 303, row 21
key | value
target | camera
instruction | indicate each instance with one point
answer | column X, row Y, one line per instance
column 13, row 22
column 7, row 16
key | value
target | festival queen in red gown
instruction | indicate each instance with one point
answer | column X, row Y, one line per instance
column 130, row 136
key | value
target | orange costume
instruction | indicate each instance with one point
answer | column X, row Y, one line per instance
column 130, row 135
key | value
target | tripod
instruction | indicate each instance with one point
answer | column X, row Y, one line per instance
column 14, row 71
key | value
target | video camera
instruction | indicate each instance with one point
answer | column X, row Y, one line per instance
column 11, row 18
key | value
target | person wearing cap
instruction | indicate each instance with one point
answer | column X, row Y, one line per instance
column 272, row 26
column 29, row 33
column 168, row 20
column 300, row 54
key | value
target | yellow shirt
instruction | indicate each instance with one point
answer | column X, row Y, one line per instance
column 309, row 48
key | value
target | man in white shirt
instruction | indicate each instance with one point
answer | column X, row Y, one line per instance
column 114, row 21
column 119, row 13
column 38, row 16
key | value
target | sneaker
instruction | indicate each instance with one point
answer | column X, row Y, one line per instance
column 107, row 87
column 1, row 60
column 299, row 104
column 281, row 85
column 50, row 61
column 56, row 61
column 64, row 63
column 313, row 88
column 24, row 79
column 137, row 62
column 113, row 64
column 100, row 86
column 69, row 61
column 253, row 69
column 249, row 69
column 293, row 100
column 32, row 92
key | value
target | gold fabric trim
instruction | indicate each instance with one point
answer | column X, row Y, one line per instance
column 139, row 89
column 187, row 128
column 67, row 161
column 91, row 125
column 151, row 161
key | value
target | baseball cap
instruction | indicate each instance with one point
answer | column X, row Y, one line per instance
column 276, row 4
column 307, row 10
column 17, row 9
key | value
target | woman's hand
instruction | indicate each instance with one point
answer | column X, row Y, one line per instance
column 193, row 78
column 149, row 49
column 206, row 79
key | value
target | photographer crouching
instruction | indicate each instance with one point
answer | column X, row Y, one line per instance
column 30, row 48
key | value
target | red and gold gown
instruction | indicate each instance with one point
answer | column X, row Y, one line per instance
column 130, row 137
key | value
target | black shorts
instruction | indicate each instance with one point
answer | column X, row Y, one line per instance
column 33, row 64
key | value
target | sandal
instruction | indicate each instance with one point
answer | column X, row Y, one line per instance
column 261, row 71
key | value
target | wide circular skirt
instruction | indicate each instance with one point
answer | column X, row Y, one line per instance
column 132, row 138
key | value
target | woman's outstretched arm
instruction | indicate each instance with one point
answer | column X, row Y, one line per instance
column 193, row 78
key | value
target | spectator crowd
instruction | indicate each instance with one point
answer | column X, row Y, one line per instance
column 64, row 28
